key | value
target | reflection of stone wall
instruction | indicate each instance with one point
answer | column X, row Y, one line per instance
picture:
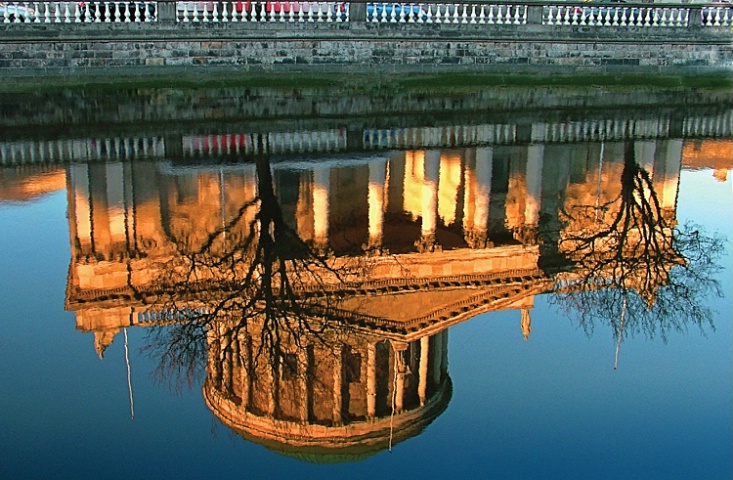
column 505, row 105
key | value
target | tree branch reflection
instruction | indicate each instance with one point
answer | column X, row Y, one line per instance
column 252, row 274
column 633, row 267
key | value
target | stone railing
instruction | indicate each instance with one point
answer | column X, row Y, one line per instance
column 674, row 15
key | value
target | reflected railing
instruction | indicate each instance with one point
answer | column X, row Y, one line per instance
column 237, row 145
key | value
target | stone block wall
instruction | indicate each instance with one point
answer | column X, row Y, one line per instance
column 270, row 54
column 364, row 46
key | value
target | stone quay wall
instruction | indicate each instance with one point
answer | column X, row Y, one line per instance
column 358, row 44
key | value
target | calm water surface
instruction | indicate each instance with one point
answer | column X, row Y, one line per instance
column 457, row 299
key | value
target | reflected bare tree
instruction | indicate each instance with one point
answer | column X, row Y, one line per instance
column 252, row 276
column 632, row 267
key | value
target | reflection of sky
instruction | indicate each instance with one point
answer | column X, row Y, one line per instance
column 552, row 407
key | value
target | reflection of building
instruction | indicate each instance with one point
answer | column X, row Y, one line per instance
column 446, row 235
column 714, row 154
column 29, row 182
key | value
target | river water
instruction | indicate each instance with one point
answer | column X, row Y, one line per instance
column 260, row 284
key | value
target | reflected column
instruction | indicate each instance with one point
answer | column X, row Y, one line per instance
column 377, row 178
column 477, row 237
column 245, row 371
column 437, row 358
column 371, row 380
column 427, row 240
column 535, row 158
column 80, row 209
column 116, row 206
column 337, row 385
column 321, row 206
column 399, row 349
column 303, row 382
column 645, row 152
column 667, row 185
column 422, row 386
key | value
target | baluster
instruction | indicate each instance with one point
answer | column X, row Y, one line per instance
column 615, row 19
column 225, row 15
column 239, row 15
column 676, row 17
column 622, row 20
column 37, row 17
column 215, row 13
column 441, row 9
column 77, row 13
column 660, row 18
column 456, row 16
column 412, row 16
column 490, row 19
column 429, row 14
column 393, row 13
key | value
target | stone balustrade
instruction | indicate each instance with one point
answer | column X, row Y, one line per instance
column 429, row 12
